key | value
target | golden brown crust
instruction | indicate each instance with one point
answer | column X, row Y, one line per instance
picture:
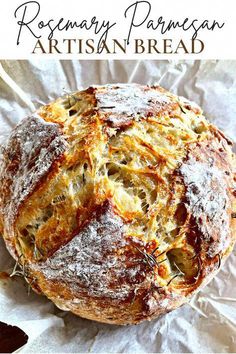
column 32, row 151
column 118, row 201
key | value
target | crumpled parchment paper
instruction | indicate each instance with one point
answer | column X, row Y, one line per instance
column 208, row 322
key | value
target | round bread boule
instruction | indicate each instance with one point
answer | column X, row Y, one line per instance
column 118, row 202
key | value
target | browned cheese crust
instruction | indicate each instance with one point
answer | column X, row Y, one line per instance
column 118, row 202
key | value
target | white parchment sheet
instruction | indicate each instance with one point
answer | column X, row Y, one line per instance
column 208, row 323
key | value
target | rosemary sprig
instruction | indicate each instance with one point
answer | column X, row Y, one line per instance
column 23, row 272
column 15, row 272
column 219, row 260
column 181, row 273
column 160, row 254
column 175, row 276
column 181, row 108
column 162, row 261
column 150, row 258
column 155, row 249
column 107, row 107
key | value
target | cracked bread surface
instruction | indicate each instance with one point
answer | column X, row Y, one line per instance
column 118, row 201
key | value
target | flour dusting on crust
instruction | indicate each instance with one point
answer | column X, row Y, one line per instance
column 31, row 150
column 125, row 101
column 208, row 202
column 90, row 262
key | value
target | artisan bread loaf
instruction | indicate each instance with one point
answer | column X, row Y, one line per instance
column 118, row 202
